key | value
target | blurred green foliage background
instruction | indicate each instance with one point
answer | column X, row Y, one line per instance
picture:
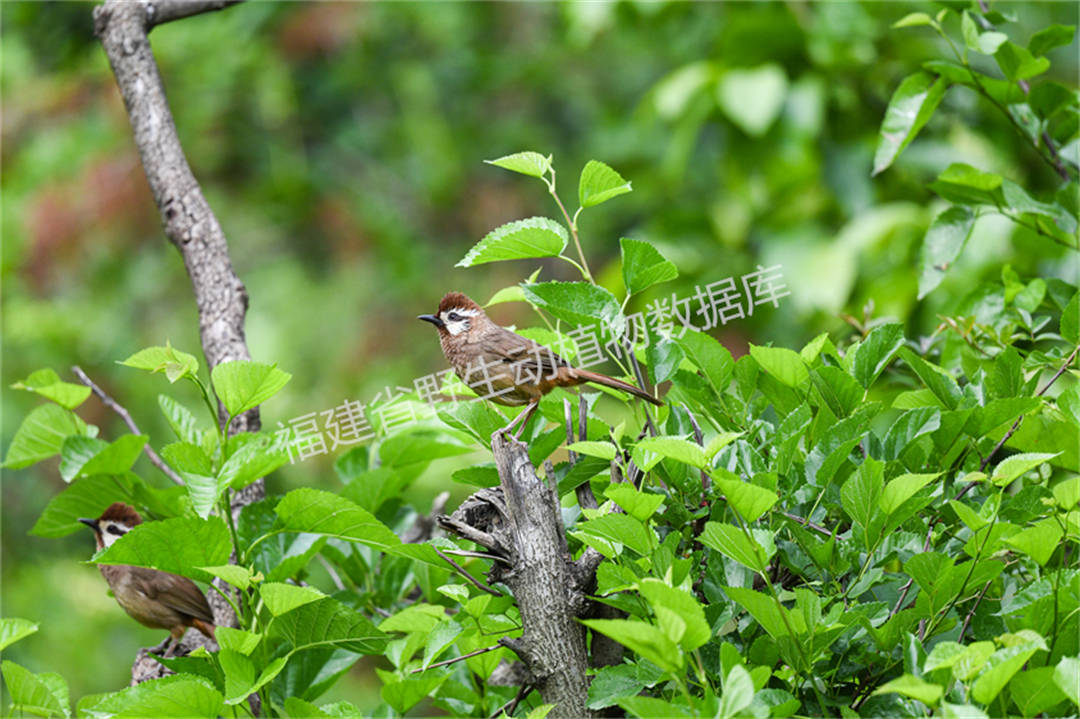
column 341, row 145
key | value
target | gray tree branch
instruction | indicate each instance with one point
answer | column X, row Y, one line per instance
column 189, row 223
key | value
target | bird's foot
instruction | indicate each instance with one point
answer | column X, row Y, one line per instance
column 160, row 650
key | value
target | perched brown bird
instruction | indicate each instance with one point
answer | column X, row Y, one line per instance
column 153, row 598
column 503, row 366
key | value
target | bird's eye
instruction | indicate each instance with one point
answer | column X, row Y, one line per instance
column 454, row 317
column 113, row 529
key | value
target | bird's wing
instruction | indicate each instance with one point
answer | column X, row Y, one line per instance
column 512, row 348
column 174, row 591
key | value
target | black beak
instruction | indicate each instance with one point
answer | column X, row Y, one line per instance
column 433, row 319
column 92, row 523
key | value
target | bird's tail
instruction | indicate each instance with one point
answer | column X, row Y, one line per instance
column 587, row 376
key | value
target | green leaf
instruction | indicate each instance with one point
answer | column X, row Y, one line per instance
column 328, row 622
column 749, row 500
column 1034, row 691
column 41, row 435
column 1017, row 63
column 522, row 239
column 753, row 98
column 937, row 380
column 914, row 687
column 43, row 694
column 738, row 693
column 665, row 597
column 179, row 545
column 711, row 357
column 242, row 384
column 1010, row 469
column 943, row 243
column 603, row 450
column 639, row 505
column 644, row 639
column 1048, row 38
column 907, row 428
column 1038, row 541
column 12, row 629
column 48, row 384
column 85, row 456
column 1003, row 664
column 914, row 19
column 763, row 608
column 528, row 163
column 620, row 529
column 87, row 497
column 1067, row 678
column 860, row 497
column 320, row 512
column 643, row 266
column 180, row 419
column 579, row 303
column 649, row 451
column 439, row 639
column 730, row 541
column 1070, row 321
column 874, row 353
column 903, row 488
column 260, row 455
column 965, row 185
column 783, row 364
column 599, row 183
column 174, row 363
column 839, row 389
column 612, row 684
column 281, row 598
column 1067, row 493
column 239, row 577
column 194, row 467
column 910, row 108
column 180, row 696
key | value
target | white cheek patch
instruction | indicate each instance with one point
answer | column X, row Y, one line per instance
column 459, row 325
column 108, row 537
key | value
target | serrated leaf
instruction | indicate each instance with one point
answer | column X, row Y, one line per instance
column 43, row 694
column 1012, row 468
column 914, row 687
column 639, row 505
column 84, row 456
column 169, row 360
column 642, row 638
column 1070, row 321
column 41, row 435
column 943, row 243
column 783, row 364
column 522, row 239
column 578, row 303
column 643, row 266
column 527, row 163
column 12, row 629
column 749, row 500
column 966, row 185
column 648, row 452
column 620, row 529
column 899, row 490
column 242, row 384
column 48, row 384
column 910, row 108
column 179, row 696
column 179, row 545
column 730, row 540
column 603, row 450
column 874, row 353
column 180, row 419
column 599, row 183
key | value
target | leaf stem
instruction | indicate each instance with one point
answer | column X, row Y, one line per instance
column 572, row 223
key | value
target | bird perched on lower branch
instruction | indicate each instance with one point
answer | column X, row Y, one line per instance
column 503, row 366
column 153, row 598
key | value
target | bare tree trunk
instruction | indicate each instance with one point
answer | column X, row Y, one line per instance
column 522, row 524
column 190, row 224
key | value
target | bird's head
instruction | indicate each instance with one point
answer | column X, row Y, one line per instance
column 115, row 522
column 457, row 315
